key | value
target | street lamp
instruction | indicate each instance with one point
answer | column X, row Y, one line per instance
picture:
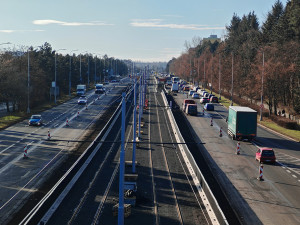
column 262, row 85
column 232, row 80
column 70, row 71
column 55, row 73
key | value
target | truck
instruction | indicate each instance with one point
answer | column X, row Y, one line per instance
column 99, row 89
column 81, row 89
column 175, row 87
column 242, row 123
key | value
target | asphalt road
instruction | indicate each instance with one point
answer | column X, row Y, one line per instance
column 22, row 176
column 165, row 190
column 276, row 200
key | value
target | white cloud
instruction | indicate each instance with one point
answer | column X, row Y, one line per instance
column 62, row 23
column 157, row 23
column 15, row 31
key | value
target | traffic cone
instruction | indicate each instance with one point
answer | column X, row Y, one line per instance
column 211, row 122
column 260, row 177
column 25, row 151
column 221, row 132
column 49, row 136
column 67, row 122
column 78, row 114
column 86, row 107
column 238, row 148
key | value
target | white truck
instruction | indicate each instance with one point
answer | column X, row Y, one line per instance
column 81, row 89
column 99, row 89
column 175, row 87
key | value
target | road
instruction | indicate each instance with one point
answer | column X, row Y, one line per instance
column 276, row 200
column 165, row 191
column 20, row 177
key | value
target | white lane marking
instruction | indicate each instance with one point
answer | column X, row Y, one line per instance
column 294, row 176
column 288, row 171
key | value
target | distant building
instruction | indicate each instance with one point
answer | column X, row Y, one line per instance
column 212, row 38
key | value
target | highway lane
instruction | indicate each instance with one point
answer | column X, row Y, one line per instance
column 165, row 192
column 275, row 200
column 20, row 177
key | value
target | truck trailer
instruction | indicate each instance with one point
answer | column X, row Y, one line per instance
column 81, row 89
column 242, row 123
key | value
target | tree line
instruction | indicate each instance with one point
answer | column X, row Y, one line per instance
column 14, row 74
column 263, row 60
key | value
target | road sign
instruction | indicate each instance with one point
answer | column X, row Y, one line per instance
column 261, row 106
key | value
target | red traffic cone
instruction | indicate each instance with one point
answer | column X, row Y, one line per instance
column 221, row 132
column 78, row 114
column 49, row 136
column 260, row 177
column 25, row 151
column 211, row 122
column 86, row 107
column 67, row 122
column 238, row 148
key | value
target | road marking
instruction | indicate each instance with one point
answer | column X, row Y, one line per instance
column 288, row 171
column 294, row 176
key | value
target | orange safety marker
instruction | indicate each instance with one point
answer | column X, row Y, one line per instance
column 260, row 177
column 211, row 122
column 238, row 148
column 221, row 132
column 49, row 136
column 25, row 151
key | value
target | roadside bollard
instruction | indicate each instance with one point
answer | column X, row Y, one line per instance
column 78, row 114
column 86, row 107
column 170, row 104
column 221, row 132
column 211, row 122
column 25, row 151
column 238, row 148
column 49, row 136
column 203, row 110
column 260, row 177
column 67, row 122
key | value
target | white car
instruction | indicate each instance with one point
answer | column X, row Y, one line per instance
column 82, row 100
column 196, row 95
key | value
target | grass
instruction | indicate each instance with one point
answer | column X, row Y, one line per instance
column 16, row 117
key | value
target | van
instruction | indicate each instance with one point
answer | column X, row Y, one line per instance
column 185, row 102
column 191, row 109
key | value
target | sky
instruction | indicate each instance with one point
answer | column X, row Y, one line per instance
column 144, row 30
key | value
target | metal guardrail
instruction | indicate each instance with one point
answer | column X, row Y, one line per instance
column 202, row 182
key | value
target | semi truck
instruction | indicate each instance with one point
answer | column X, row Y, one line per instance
column 81, row 89
column 242, row 123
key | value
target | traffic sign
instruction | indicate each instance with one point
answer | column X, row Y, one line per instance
column 262, row 106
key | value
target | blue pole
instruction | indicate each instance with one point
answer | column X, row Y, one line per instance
column 122, row 165
column 140, row 107
column 134, row 129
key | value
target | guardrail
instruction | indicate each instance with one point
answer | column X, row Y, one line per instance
column 74, row 172
column 200, row 182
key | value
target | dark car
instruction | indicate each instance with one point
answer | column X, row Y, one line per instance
column 35, row 120
column 209, row 107
column 204, row 100
column 214, row 99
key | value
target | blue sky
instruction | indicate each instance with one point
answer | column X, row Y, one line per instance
column 153, row 30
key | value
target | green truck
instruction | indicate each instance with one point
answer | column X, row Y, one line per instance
column 242, row 123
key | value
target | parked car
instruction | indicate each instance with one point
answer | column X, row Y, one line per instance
column 82, row 100
column 265, row 155
column 214, row 99
column 196, row 95
column 191, row 92
column 186, row 88
column 203, row 93
column 209, row 107
column 191, row 109
column 185, row 102
column 210, row 95
column 35, row 120
column 204, row 100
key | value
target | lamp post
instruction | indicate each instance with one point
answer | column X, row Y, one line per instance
column 56, row 73
column 262, row 85
column 70, row 72
column 232, row 80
